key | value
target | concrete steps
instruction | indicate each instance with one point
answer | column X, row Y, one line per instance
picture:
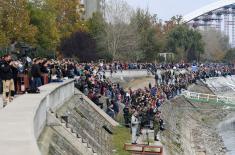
column 88, row 122
column 71, row 134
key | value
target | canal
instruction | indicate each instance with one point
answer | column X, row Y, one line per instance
column 227, row 131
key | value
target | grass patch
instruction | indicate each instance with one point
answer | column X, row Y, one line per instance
column 121, row 136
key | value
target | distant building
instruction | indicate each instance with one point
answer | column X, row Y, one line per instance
column 91, row 6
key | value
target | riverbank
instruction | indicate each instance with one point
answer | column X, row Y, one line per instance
column 191, row 128
column 226, row 130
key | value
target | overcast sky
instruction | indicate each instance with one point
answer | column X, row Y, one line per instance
column 165, row 9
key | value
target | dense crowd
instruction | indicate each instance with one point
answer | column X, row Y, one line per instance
column 140, row 107
column 35, row 70
column 143, row 104
column 55, row 71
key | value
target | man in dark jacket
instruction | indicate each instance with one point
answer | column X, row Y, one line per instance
column 36, row 75
column 7, row 79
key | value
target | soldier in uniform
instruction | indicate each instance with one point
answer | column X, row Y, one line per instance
column 156, row 125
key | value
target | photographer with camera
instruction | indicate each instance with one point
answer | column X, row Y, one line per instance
column 56, row 72
column 7, row 79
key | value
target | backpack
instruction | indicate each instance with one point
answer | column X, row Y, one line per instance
column 33, row 91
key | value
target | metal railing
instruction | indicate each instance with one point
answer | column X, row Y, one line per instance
column 209, row 97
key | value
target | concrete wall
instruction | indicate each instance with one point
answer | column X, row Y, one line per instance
column 23, row 120
column 87, row 120
column 128, row 73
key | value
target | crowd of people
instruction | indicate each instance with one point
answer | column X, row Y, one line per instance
column 34, row 70
column 140, row 107
column 54, row 71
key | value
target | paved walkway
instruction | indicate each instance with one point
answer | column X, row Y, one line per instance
column 1, row 101
column 147, row 133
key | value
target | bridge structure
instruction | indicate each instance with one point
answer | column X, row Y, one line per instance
column 219, row 15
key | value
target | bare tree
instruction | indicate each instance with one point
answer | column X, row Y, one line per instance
column 216, row 45
column 121, row 36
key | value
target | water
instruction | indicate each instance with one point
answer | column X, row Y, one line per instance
column 226, row 128
column 227, row 131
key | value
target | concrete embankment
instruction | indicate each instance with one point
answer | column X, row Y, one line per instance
column 225, row 86
column 227, row 131
column 87, row 130
column 191, row 127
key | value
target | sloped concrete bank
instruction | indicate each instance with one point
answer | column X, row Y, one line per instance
column 224, row 86
column 87, row 130
column 191, row 128
column 227, row 131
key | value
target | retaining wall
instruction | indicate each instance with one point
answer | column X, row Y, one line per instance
column 128, row 73
column 23, row 120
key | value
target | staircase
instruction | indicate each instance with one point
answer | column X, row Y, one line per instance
column 65, row 130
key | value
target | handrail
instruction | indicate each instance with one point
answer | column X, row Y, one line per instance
column 208, row 97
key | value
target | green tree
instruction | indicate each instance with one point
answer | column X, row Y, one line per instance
column 149, row 42
column 67, row 16
column 56, row 20
column 4, row 41
column 15, row 21
column 230, row 55
column 185, row 42
column 96, row 26
column 48, row 34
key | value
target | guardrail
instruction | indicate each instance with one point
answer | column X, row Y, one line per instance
column 23, row 120
column 209, row 97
